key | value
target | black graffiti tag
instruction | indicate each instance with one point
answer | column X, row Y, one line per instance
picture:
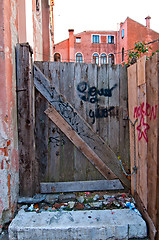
column 57, row 141
column 99, row 113
column 90, row 94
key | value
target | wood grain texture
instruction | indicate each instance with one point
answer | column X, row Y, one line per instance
column 133, row 102
column 81, row 186
column 141, row 65
column 124, row 143
column 25, row 103
column 152, row 79
column 70, row 111
column 145, row 101
column 79, row 143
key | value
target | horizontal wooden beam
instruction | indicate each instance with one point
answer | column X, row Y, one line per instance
column 81, row 186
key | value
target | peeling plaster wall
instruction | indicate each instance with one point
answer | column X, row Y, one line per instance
column 42, row 35
column 13, row 29
column 37, row 30
column 9, row 169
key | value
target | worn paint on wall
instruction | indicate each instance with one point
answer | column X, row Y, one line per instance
column 37, row 36
column 8, row 120
column 13, row 29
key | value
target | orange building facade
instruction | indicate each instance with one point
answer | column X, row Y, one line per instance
column 20, row 21
column 102, row 47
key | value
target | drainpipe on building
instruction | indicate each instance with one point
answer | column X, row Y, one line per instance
column 71, row 57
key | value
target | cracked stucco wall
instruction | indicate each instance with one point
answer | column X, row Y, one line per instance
column 9, row 169
column 13, row 30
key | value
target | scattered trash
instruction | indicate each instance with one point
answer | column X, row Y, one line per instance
column 78, row 201
column 96, row 197
column 31, row 208
column 67, row 197
column 71, row 204
column 96, row 204
column 87, row 193
column 79, row 206
column 132, row 207
column 116, row 203
column 106, row 197
column 57, row 205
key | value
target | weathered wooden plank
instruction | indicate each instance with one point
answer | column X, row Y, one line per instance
column 146, row 111
column 81, row 186
column 124, row 143
column 25, row 101
column 68, row 147
column 114, row 84
column 102, row 121
column 79, row 125
column 91, row 102
column 140, row 128
column 157, row 200
column 114, row 103
column 41, row 130
column 79, row 143
column 133, row 102
column 152, row 79
column 91, row 106
column 141, row 63
column 55, row 136
column 142, row 146
column 81, row 162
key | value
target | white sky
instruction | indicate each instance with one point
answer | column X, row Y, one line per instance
column 82, row 15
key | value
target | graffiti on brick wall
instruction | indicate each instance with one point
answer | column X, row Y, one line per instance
column 143, row 112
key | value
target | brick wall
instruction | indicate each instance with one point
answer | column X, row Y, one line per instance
column 133, row 32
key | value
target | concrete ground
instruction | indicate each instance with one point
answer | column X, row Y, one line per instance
column 82, row 225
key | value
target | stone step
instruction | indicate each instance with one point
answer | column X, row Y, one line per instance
column 78, row 225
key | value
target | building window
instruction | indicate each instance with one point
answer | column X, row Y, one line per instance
column 57, row 57
column 95, row 38
column 122, row 55
column 111, row 39
column 37, row 6
column 96, row 58
column 122, row 33
column 79, row 58
column 111, row 59
column 103, row 58
column 78, row 39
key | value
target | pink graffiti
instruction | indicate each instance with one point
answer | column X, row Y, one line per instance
column 140, row 113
